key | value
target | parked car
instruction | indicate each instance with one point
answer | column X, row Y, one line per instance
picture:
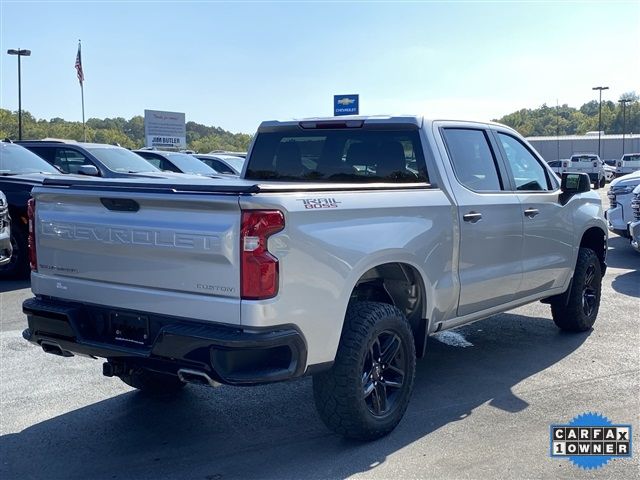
column 5, row 231
column 93, row 159
column 20, row 170
column 628, row 163
column 224, row 164
column 176, row 162
column 634, row 226
column 310, row 264
column 620, row 194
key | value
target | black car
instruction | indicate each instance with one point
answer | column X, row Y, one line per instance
column 96, row 159
column 176, row 162
column 224, row 164
column 20, row 171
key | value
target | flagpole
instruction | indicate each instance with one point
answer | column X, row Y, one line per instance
column 84, row 130
column 81, row 72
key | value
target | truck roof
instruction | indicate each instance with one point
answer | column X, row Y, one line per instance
column 359, row 120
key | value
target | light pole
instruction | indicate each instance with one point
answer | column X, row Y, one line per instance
column 600, row 114
column 624, row 119
column 20, row 53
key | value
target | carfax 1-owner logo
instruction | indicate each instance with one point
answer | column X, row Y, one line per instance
column 590, row 440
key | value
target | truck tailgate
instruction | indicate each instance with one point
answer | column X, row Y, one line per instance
column 171, row 253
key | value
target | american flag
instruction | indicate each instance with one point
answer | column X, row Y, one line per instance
column 79, row 66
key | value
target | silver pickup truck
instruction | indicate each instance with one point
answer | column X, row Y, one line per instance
column 344, row 244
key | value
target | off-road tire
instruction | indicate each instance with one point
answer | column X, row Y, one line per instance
column 340, row 393
column 578, row 311
column 152, row 382
column 603, row 182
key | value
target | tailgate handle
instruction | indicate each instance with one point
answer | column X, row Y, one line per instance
column 120, row 204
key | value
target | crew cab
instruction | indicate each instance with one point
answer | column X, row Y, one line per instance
column 343, row 245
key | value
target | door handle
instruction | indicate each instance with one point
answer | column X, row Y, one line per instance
column 531, row 212
column 472, row 217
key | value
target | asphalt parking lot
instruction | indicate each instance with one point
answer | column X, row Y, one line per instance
column 482, row 406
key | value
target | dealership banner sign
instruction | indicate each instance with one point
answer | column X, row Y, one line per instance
column 165, row 129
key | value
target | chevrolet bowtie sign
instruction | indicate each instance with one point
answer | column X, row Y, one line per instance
column 346, row 105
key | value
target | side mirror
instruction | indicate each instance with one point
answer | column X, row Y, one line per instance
column 90, row 170
column 573, row 183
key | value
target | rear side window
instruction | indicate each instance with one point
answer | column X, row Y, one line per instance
column 472, row 158
column 340, row 155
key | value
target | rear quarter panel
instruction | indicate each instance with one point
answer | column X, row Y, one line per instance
column 323, row 252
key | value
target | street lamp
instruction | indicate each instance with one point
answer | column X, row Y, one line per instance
column 20, row 53
column 624, row 119
column 600, row 114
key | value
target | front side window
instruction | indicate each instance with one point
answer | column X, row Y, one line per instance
column 527, row 172
column 69, row 160
column 472, row 159
column 338, row 155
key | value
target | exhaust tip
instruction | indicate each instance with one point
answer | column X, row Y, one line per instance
column 54, row 349
column 194, row 376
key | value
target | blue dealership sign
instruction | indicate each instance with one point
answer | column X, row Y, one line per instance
column 346, row 105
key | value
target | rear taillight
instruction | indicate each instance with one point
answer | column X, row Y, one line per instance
column 259, row 268
column 31, row 213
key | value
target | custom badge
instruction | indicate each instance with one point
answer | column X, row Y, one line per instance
column 590, row 440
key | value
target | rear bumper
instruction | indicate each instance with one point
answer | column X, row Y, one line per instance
column 230, row 355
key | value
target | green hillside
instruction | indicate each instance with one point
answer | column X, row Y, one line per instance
column 127, row 133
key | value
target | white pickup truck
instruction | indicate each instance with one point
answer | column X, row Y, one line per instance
column 590, row 164
column 628, row 163
column 343, row 245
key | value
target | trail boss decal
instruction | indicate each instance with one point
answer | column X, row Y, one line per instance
column 314, row 203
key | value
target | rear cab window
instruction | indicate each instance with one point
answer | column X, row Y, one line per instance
column 351, row 155
column 473, row 159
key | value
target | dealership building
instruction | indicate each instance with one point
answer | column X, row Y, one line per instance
column 556, row 148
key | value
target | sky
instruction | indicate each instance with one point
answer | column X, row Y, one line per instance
column 235, row 64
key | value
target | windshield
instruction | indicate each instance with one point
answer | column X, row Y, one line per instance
column 584, row 158
column 15, row 160
column 189, row 164
column 635, row 157
column 340, row 155
column 121, row 160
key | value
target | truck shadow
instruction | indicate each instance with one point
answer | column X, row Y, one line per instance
column 273, row 431
column 12, row 285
